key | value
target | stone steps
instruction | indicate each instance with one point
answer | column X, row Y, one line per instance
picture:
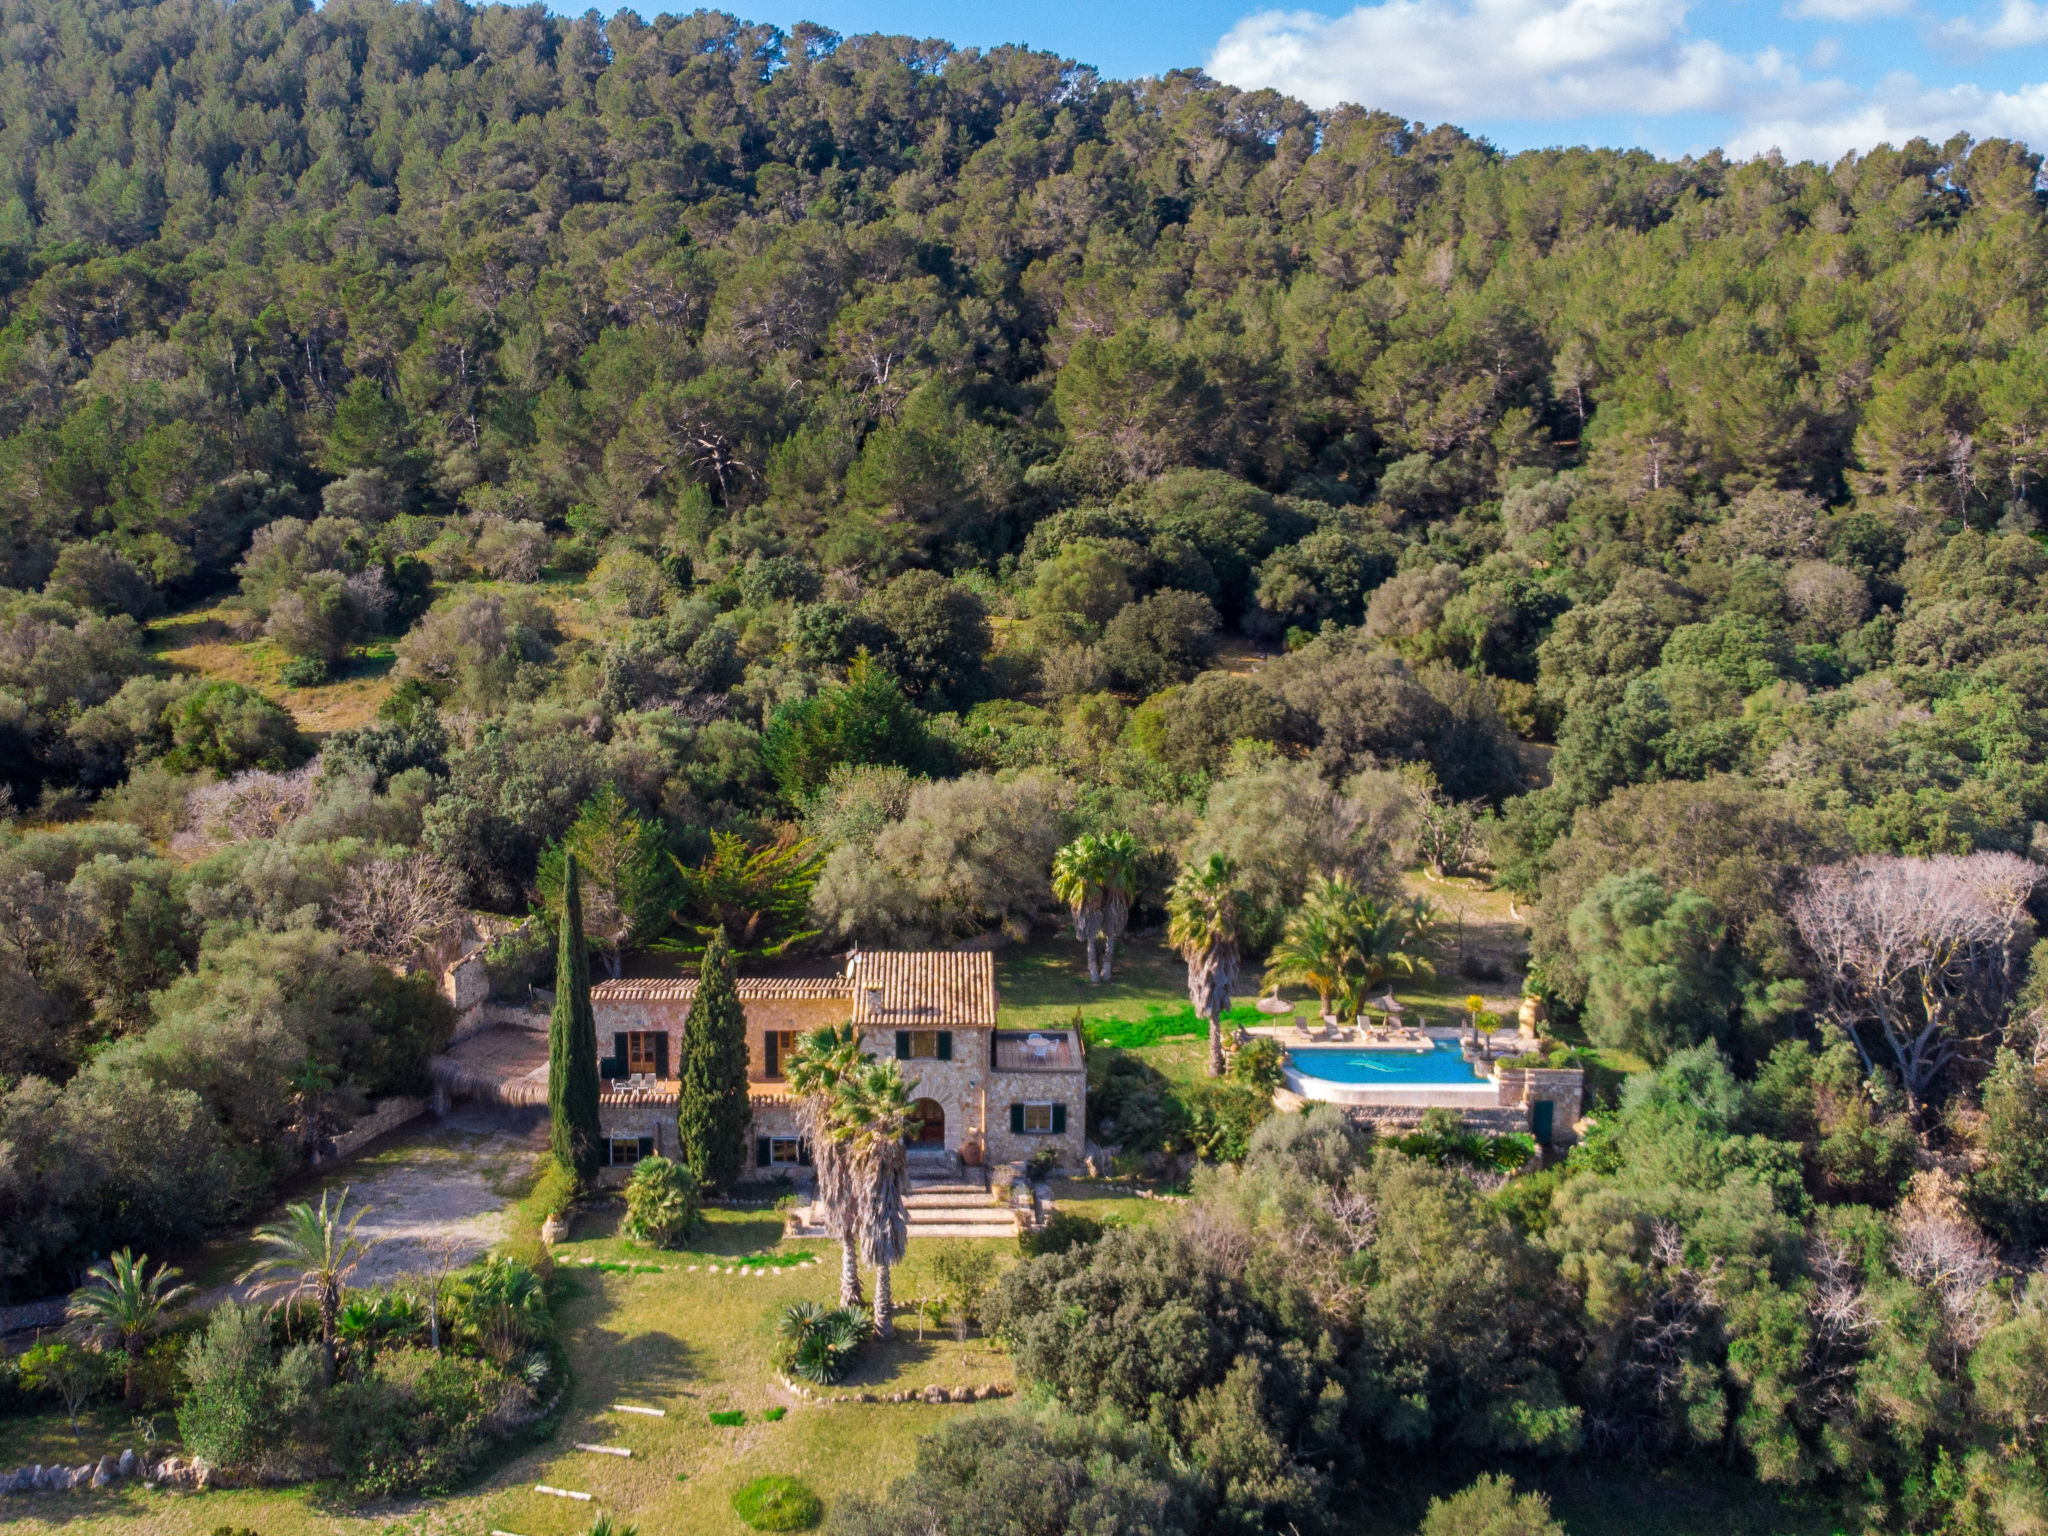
column 960, row 1229
column 948, row 1199
column 978, row 1216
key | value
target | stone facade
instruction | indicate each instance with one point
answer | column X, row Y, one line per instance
column 1562, row 1088
column 934, row 1012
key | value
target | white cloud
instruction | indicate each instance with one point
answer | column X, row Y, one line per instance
column 1899, row 108
column 1847, row 10
column 2018, row 24
column 1484, row 62
column 1501, row 58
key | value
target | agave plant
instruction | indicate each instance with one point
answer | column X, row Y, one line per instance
column 821, row 1344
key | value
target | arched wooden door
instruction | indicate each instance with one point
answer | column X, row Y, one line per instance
column 931, row 1131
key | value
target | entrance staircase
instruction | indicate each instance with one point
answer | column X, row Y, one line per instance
column 947, row 1200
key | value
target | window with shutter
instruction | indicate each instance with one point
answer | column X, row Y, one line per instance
column 647, row 1146
column 661, row 1054
column 1059, row 1119
column 945, row 1045
column 1016, row 1119
column 903, row 1045
column 761, row 1152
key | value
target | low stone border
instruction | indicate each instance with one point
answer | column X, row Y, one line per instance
column 932, row 1394
column 107, row 1470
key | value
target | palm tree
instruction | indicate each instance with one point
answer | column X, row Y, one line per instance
column 1204, row 922
column 123, row 1305
column 1077, row 880
column 871, row 1116
column 823, row 1059
column 1310, row 953
column 1382, row 934
column 1119, row 884
column 316, row 1252
column 505, row 1304
column 1343, row 941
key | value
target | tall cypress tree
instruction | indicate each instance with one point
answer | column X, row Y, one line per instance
column 572, row 1043
column 712, row 1113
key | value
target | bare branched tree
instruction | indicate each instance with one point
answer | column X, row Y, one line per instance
column 253, row 804
column 399, row 909
column 1654, row 1375
column 1917, row 958
column 1841, row 1321
column 1936, row 1245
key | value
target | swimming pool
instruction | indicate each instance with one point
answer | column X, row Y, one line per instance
column 1443, row 1066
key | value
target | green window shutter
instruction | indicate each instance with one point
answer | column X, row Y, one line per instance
column 1016, row 1119
column 647, row 1146
column 761, row 1151
column 945, row 1045
column 903, row 1045
column 661, row 1054
column 771, row 1053
column 1059, row 1119
column 803, row 1154
column 614, row 1065
column 604, row 1145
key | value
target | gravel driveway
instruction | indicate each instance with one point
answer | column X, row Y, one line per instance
column 437, row 1192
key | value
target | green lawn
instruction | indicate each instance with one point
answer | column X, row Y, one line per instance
column 690, row 1343
column 1479, row 945
column 1041, row 983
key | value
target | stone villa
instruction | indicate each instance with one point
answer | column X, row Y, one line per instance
column 987, row 1095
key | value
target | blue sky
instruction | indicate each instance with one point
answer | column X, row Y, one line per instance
column 1812, row 78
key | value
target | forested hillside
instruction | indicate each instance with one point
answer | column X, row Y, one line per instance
column 856, row 467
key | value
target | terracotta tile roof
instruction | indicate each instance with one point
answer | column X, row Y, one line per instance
column 894, row 988
column 751, row 988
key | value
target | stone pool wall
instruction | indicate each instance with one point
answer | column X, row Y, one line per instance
column 1517, row 1091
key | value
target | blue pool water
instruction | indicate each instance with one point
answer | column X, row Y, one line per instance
column 1344, row 1064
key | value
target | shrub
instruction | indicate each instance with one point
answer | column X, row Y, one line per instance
column 661, row 1202
column 965, row 1273
column 72, row 1374
column 1027, row 1476
column 1062, row 1232
column 518, row 961
column 1221, row 1118
column 777, row 1504
column 226, row 727
column 775, row 1415
column 729, row 1418
column 502, row 1306
column 1491, row 1507
column 1257, row 1064
column 303, row 672
column 821, row 1344
column 248, row 1407
column 418, row 1422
